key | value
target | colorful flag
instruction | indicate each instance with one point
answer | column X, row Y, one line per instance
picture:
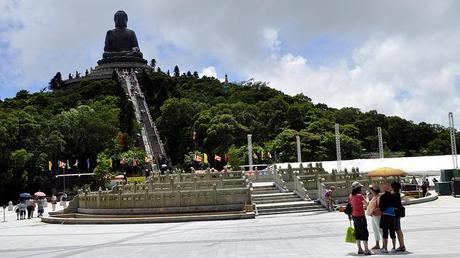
column 68, row 164
column 87, row 163
column 217, row 157
column 76, row 163
column 50, row 165
column 197, row 158
column 205, row 158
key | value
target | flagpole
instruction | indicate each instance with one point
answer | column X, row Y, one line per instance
column 63, row 178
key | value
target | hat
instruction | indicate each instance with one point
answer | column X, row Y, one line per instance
column 356, row 184
column 375, row 188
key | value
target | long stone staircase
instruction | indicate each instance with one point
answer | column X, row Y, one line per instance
column 150, row 137
column 268, row 200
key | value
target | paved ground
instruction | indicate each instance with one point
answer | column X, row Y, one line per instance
column 431, row 229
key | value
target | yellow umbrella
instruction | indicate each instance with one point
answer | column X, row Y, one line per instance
column 386, row 172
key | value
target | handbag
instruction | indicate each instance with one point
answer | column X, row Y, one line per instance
column 350, row 235
column 401, row 212
column 348, row 209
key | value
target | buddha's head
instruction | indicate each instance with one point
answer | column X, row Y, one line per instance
column 121, row 19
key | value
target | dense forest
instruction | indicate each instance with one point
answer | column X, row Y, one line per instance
column 80, row 125
column 94, row 121
column 205, row 115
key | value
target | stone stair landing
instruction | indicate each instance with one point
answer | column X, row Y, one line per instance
column 268, row 200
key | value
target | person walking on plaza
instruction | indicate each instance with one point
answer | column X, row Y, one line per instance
column 400, row 212
column 373, row 210
column 41, row 207
column 357, row 202
column 53, row 202
column 328, row 197
column 425, row 184
column 22, row 209
column 30, row 208
column 387, row 205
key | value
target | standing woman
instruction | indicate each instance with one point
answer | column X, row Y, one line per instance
column 374, row 212
column 357, row 201
column 400, row 212
column 387, row 205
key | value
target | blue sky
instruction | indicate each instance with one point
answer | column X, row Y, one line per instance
column 397, row 57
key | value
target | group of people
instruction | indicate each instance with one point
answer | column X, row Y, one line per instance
column 27, row 206
column 385, row 211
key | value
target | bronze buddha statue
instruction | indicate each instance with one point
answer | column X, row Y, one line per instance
column 121, row 41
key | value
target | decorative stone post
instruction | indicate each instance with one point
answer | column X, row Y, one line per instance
column 299, row 152
column 250, row 151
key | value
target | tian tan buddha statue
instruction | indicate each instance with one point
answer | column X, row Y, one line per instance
column 121, row 41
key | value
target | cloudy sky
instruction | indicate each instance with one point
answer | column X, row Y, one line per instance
column 397, row 57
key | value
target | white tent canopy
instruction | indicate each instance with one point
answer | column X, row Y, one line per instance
column 430, row 165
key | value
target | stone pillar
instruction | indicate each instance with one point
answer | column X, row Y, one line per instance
column 250, row 151
column 299, row 152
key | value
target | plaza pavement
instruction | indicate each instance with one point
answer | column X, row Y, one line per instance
column 431, row 230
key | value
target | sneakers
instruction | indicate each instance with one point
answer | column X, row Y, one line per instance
column 368, row 253
column 401, row 249
column 393, row 250
column 383, row 251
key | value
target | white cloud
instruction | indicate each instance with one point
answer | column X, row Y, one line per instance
column 209, row 71
column 405, row 58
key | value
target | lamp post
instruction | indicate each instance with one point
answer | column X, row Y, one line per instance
column 4, row 218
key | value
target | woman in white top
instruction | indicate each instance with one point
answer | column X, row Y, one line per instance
column 374, row 212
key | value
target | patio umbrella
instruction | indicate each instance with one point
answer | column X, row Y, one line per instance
column 40, row 194
column 25, row 195
column 386, row 172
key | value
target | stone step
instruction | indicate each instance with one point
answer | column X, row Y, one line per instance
column 273, row 194
column 265, row 191
column 286, row 204
column 276, row 201
column 308, row 210
column 114, row 219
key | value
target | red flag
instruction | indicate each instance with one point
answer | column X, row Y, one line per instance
column 217, row 157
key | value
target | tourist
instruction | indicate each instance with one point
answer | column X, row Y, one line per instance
column 17, row 210
column 374, row 212
column 357, row 201
column 435, row 180
column 414, row 181
column 424, row 187
column 22, row 209
column 387, row 205
column 400, row 212
column 53, row 201
column 328, row 197
column 40, row 205
column 30, row 208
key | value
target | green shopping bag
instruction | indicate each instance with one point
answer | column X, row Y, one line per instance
column 350, row 236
